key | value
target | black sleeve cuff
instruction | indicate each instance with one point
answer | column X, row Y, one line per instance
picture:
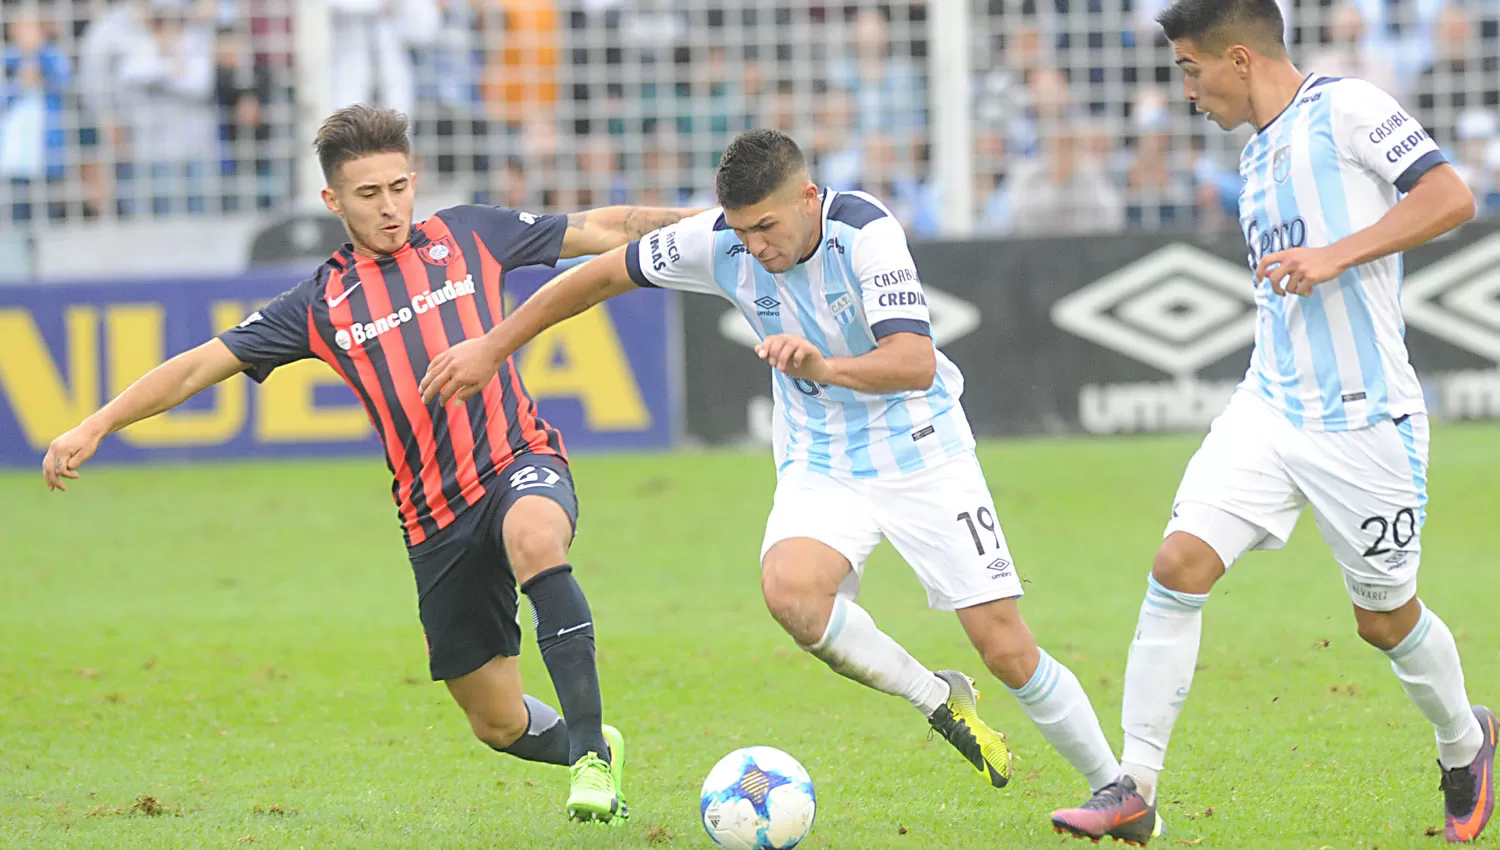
column 633, row 264
column 1414, row 172
column 256, row 373
column 552, row 254
column 883, row 329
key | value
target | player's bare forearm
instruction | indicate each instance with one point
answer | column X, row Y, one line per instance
column 606, row 228
column 562, row 298
column 464, row 370
column 167, row 386
column 903, row 362
column 1439, row 202
column 161, row 389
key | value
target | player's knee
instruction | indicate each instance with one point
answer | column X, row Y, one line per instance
column 1011, row 663
column 1384, row 631
column 537, row 533
column 498, row 730
column 793, row 604
column 779, row 582
column 1005, row 643
column 532, row 549
column 1186, row 564
column 793, row 611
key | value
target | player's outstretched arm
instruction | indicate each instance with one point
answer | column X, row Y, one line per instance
column 606, row 228
column 901, row 362
column 159, row 390
column 1437, row 203
column 465, row 369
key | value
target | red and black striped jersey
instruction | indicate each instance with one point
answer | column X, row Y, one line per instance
column 379, row 321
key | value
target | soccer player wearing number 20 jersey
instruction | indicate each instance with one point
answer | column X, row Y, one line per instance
column 1338, row 180
column 482, row 488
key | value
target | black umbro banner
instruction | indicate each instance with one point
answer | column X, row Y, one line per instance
column 1115, row 334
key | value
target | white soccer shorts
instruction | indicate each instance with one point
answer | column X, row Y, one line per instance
column 941, row 520
column 1246, row 486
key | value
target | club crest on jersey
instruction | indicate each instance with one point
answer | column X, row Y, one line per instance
column 1281, row 164
column 841, row 304
column 439, row 253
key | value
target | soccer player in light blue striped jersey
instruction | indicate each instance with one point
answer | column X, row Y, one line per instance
column 1338, row 181
column 871, row 441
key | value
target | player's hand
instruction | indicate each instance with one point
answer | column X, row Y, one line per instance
column 67, row 453
column 1298, row 270
column 794, row 355
column 460, row 372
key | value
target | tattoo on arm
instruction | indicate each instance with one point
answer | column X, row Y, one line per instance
column 642, row 220
column 611, row 223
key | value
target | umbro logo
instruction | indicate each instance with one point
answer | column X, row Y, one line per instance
column 767, row 306
column 1457, row 299
column 1178, row 309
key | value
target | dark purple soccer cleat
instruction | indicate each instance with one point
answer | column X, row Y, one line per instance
column 1116, row 811
column 1469, row 792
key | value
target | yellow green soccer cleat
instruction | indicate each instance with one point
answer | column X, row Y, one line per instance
column 958, row 721
column 617, row 769
column 595, row 795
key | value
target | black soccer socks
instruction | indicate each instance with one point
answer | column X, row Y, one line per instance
column 546, row 736
column 565, row 635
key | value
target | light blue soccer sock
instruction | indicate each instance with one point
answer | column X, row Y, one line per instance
column 1158, row 676
column 1056, row 703
column 1427, row 664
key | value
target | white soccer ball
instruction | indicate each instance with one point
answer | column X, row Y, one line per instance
column 758, row 798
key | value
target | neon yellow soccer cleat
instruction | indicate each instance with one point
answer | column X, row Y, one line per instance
column 958, row 721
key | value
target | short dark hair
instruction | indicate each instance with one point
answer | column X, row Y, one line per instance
column 357, row 131
column 1214, row 25
column 756, row 163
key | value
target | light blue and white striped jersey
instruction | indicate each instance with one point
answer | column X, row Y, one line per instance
column 860, row 285
column 1332, row 163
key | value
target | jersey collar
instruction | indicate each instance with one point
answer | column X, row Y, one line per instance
column 826, row 195
column 345, row 257
column 1306, row 83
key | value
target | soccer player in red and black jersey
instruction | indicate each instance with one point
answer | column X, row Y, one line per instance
column 482, row 487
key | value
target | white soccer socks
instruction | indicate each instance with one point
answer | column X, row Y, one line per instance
column 1056, row 703
column 1158, row 676
column 855, row 648
column 1427, row 664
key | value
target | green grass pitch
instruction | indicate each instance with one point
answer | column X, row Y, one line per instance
column 228, row 655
